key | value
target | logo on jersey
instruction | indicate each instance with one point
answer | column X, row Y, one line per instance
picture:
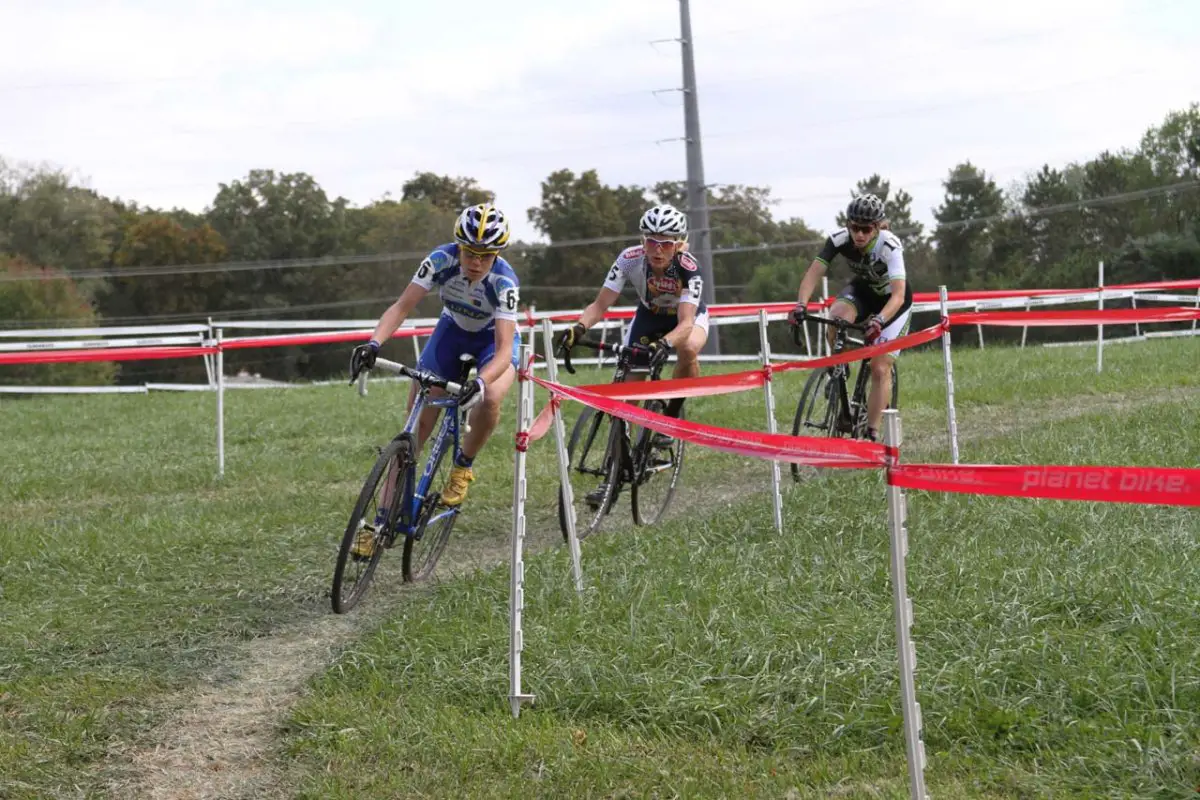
column 664, row 285
column 688, row 262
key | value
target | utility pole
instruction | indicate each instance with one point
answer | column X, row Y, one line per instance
column 697, row 194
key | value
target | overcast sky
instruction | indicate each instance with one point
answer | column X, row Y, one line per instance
column 160, row 101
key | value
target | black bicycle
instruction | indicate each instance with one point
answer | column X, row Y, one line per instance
column 397, row 503
column 607, row 453
column 825, row 408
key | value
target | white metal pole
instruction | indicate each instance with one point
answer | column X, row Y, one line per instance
column 951, row 415
column 208, row 360
column 821, row 338
column 902, row 607
column 416, row 349
column 564, row 460
column 603, row 340
column 1197, row 308
column 771, row 427
column 1024, row 329
column 220, row 369
column 1137, row 328
column 517, row 572
column 979, row 328
column 1100, row 328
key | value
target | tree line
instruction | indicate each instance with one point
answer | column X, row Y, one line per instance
column 276, row 245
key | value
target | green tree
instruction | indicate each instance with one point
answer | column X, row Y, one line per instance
column 444, row 192
column 409, row 228
column 35, row 297
column 578, row 208
column 48, row 220
column 154, row 239
column 272, row 216
column 968, row 220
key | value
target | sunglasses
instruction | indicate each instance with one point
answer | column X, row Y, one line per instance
column 861, row 228
column 661, row 244
column 479, row 253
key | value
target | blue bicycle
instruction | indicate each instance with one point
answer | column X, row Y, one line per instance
column 394, row 503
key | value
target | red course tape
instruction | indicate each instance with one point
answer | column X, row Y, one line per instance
column 1148, row 485
column 810, row 451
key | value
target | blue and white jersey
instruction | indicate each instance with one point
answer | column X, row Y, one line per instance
column 472, row 307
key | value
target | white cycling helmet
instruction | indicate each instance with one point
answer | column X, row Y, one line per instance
column 482, row 227
column 665, row 220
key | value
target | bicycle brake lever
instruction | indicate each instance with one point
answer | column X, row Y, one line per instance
column 566, row 357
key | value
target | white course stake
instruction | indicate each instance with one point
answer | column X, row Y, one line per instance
column 902, row 605
column 771, row 427
column 220, row 368
column 564, row 459
column 824, row 310
column 1100, row 328
column 951, row 416
column 516, row 597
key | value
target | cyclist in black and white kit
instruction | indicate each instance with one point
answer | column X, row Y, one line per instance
column 878, row 294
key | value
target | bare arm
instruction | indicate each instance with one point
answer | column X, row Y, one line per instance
column 595, row 312
column 812, row 276
column 394, row 317
column 506, row 329
column 892, row 307
column 687, row 318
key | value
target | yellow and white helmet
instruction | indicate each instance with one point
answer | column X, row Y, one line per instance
column 482, row 227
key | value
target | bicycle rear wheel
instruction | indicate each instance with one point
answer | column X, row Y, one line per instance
column 435, row 520
column 374, row 516
column 817, row 411
column 595, row 451
column 657, row 464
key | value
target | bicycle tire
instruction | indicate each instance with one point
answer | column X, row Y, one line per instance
column 586, row 433
column 816, row 392
column 436, row 545
column 643, row 452
column 399, row 450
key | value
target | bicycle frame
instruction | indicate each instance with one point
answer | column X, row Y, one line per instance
column 416, row 491
column 841, row 372
column 625, row 355
column 411, row 492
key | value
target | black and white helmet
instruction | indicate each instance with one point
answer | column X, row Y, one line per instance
column 866, row 209
column 482, row 227
column 665, row 220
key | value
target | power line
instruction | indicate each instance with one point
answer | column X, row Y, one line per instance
column 1043, row 211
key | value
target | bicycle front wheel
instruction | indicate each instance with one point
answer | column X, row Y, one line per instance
column 657, row 464
column 595, row 451
column 371, row 522
column 818, row 410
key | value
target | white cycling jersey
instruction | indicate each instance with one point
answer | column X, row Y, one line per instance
column 679, row 284
column 878, row 267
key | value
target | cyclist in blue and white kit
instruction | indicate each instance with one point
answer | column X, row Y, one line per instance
column 878, row 293
column 479, row 293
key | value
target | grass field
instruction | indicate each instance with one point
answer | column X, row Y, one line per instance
column 165, row 633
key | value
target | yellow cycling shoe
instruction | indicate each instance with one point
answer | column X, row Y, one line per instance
column 456, row 486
